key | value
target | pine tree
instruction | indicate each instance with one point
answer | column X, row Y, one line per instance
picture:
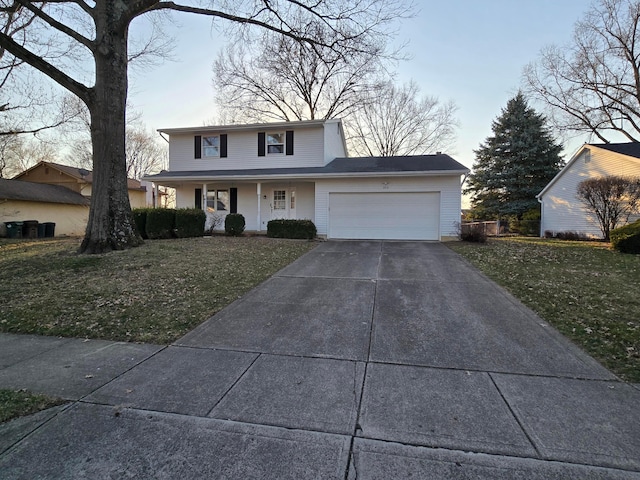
column 514, row 164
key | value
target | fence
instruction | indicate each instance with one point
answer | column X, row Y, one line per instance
column 493, row 228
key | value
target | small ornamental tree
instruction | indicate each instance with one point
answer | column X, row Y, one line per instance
column 611, row 199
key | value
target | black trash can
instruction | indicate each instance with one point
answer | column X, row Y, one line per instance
column 41, row 230
column 14, row 229
column 30, row 229
column 49, row 229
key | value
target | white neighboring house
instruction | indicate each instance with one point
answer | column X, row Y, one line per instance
column 562, row 211
column 300, row 170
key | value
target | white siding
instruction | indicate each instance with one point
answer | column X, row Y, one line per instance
column 447, row 186
column 242, row 152
column 333, row 142
column 562, row 211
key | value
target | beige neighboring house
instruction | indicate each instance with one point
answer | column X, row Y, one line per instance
column 562, row 210
column 20, row 200
column 79, row 180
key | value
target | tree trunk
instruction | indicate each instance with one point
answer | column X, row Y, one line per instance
column 111, row 225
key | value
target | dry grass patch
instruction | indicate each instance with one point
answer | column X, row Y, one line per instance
column 155, row 293
column 587, row 291
column 20, row 403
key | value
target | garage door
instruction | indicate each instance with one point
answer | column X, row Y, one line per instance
column 387, row 216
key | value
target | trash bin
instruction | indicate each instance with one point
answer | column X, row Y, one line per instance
column 41, row 230
column 30, row 229
column 14, row 229
column 49, row 229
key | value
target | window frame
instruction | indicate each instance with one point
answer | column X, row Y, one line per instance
column 213, row 196
column 205, row 147
column 281, row 145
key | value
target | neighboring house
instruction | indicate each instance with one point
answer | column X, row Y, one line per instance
column 562, row 211
column 20, row 200
column 79, row 180
column 300, row 170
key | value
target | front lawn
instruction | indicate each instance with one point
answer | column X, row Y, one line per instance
column 587, row 291
column 19, row 403
column 154, row 293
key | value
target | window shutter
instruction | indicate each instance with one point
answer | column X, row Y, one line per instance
column 289, row 142
column 223, row 145
column 197, row 146
column 198, row 198
column 233, row 199
column 261, row 144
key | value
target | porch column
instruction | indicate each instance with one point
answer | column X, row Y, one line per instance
column 204, row 197
column 154, row 196
column 259, row 192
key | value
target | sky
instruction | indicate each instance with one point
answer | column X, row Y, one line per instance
column 470, row 51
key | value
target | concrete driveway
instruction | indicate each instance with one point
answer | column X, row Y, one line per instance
column 361, row 360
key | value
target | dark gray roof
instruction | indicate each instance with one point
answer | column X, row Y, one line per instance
column 39, row 192
column 350, row 165
column 631, row 149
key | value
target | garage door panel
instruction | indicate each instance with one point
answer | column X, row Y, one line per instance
column 410, row 216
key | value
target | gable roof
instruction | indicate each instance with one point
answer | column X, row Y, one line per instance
column 39, row 192
column 629, row 149
column 249, row 126
column 80, row 174
column 438, row 164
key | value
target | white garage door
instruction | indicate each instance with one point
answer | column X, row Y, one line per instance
column 385, row 216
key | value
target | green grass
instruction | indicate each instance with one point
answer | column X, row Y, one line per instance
column 584, row 289
column 154, row 293
column 19, row 403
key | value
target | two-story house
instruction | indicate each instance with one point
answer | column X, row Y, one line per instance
column 301, row 170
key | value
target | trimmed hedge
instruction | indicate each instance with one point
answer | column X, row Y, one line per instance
column 190, row 222
column 160, row 223
column 234, row 224
column 140, row 218
column 626, row 239
column 304, row 229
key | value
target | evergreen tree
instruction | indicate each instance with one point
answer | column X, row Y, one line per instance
column 515, row 164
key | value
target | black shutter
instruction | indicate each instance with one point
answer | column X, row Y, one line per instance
column 261, row 142
column 223, row 145
column 289, row 142
column 234, row 200
column 197, row 146
column 198, row 198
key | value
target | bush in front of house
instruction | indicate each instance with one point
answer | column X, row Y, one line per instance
column 302, row 229
column 234, row 224
column 626, row 239
column 190, row 222
column 160, row 223
column 140, row 219
column 529, row 224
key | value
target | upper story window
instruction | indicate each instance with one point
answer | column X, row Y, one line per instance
column 211, row 146
column 275, row 142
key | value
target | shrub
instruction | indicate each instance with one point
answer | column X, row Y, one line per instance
column 140, row 219
column 160, row 223
column 234, row 224
column 213, row 222
column 626, row 239
column 571, row 236
column 304, row 229
column 474, row 233
column 190, row 222
column 530, row 223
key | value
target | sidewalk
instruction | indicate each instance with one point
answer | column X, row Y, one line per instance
column 367, row 360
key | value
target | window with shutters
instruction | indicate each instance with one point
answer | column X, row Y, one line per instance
column 218, row 200
column 211, row 146
column 275, row 142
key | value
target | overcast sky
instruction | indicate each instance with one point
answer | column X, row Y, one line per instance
column 468, row 51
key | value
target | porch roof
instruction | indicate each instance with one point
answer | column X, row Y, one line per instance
column 415, row 165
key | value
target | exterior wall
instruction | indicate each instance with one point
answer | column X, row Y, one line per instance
column 242, row 152
column 448, row 186
column 52, row 176
column 138, row 199
column 70, row 220
column 333, row 142
column 248, row 200
column 562, row 211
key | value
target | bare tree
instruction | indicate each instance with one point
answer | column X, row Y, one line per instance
column 98, row 33
column 144, row 153
column 593, row 84
column 611, row 199
column 397, row 121
column 274, row 77
column 18, row 153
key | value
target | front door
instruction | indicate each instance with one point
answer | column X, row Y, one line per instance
column 283, row 203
